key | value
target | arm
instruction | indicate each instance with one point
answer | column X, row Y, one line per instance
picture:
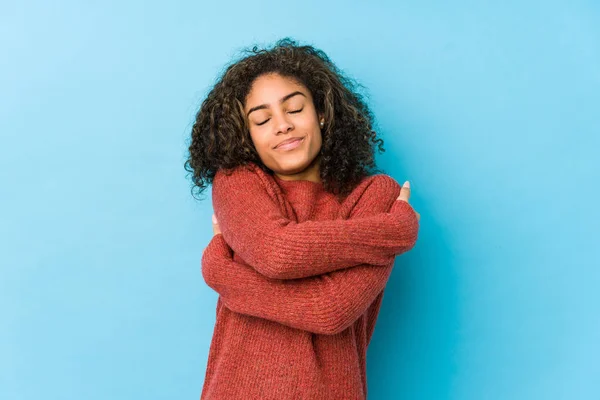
column 252, row 217
column 372, row 313
column 326, row 304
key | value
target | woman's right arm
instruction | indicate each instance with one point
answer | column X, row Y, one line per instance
column 252, row 224
column 326, row 304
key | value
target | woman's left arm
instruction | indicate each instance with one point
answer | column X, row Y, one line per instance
column 325, row 304
column 367, row 231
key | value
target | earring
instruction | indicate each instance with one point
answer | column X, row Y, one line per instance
column 322, row 124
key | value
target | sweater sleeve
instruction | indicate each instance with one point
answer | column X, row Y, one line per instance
column 372, row 313
column 326, row 304
column 249, row 211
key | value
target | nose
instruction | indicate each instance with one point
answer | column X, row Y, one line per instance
column 282, row 124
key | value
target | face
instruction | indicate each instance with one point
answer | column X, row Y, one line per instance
column 278, row 109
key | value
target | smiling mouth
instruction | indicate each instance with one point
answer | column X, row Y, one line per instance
column 290, row 145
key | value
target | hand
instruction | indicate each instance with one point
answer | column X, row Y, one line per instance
column 405, row 194
column 215, row 223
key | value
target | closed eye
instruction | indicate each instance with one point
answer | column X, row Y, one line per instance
column 291, row 112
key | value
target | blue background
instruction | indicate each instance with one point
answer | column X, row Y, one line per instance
column 490, row 109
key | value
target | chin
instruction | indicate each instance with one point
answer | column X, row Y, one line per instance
column 292, row 164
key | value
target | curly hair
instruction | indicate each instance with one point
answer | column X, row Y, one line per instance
column 221, row 139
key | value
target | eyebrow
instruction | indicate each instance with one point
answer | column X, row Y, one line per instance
column 284, row 98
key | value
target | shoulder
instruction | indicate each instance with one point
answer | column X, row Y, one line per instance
column 243, row 176
column 379, row 184
column 374, row 193
column 248, row 181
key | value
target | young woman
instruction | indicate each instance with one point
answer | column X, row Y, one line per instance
column 305, row 233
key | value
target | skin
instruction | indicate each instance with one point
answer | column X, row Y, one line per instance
column 278, row 108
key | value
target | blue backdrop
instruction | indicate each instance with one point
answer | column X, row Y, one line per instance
column 490, row 109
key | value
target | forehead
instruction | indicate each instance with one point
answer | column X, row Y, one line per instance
column 270, row 88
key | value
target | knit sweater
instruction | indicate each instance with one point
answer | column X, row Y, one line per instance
column 300, row 276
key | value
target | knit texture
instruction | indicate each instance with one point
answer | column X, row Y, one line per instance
column 300, row 277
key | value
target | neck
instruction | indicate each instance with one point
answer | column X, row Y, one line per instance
column 310, row 173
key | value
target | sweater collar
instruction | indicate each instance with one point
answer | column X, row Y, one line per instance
column 299, row 185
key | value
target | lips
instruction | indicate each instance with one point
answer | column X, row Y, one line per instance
column 287, row 141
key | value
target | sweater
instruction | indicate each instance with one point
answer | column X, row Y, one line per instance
column 300, row 275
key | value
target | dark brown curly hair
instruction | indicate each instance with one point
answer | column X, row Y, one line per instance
column 220, row 134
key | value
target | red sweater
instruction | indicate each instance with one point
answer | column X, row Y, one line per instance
column 300, row 277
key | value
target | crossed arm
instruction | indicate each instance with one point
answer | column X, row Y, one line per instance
column 327, row 303
column 266, row 238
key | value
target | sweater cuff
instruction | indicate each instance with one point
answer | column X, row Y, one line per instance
column 218, row 247
column 403, row 207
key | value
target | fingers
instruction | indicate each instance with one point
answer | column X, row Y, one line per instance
column 404, row 192
column 215, row 225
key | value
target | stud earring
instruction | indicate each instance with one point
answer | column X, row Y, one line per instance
column 322, row 124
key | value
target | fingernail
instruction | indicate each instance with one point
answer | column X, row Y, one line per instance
column 214, row 219
column 406, row 184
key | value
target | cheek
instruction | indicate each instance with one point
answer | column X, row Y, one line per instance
column 317, row 137
column 259, row 141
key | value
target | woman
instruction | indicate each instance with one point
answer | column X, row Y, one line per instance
column 306, row 234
